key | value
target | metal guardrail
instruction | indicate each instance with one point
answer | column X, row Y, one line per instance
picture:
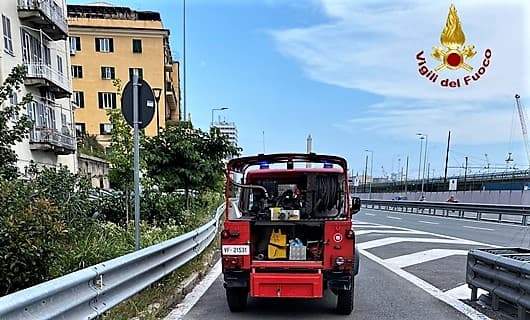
column 88, row 293
column 504, row 273
column 479, row 211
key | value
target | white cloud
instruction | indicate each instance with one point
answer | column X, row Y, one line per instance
column 371, row 46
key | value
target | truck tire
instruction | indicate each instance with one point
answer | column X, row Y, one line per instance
column 237, row 299
column 345, row 300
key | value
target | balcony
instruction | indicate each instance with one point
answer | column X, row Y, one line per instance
column 48, row 139
column 39, row 74
column 45, row 15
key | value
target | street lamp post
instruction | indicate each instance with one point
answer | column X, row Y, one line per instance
column 371, row 173
column 426, row 137
column 217, row 109
column 157, row 92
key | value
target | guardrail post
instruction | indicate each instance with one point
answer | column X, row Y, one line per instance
column 494, row 301
column 479, row 216
column 521, row 313
column 525, row 220
column 474, row 293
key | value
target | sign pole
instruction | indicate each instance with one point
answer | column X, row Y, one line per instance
column 136, row 164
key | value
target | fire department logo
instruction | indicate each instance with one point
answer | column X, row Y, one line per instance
column 453, row 54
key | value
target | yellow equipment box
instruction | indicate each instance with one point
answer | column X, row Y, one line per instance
column 277, row 248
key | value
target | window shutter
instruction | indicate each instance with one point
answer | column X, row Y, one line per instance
column 101, row 128
column 140, row 73
column 113, row 101
column 78, row 43
column 111, row 45
column 112, row 73
column 103, row 73
column 98, row 49
column 81, row 99
column 80, row 72
column 100, row 100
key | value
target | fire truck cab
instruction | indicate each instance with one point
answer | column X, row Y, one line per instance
column 288, row 229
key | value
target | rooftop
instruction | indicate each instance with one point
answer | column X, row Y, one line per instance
column 107, row 11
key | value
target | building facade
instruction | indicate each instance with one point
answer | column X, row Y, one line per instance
column 107, row 45
column 96, row 169
column 35, row 35
column 228, row 129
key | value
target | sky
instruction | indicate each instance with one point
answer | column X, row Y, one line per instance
column 346, row 72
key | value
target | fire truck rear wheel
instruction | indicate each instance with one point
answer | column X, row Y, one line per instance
column 237, row 299
column 345, row 300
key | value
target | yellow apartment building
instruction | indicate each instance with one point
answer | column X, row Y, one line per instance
column 106, row 44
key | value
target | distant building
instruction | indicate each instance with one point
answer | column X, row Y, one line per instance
column 227, row 129
column 108, row 43
column 34, row 34
column 96, row 169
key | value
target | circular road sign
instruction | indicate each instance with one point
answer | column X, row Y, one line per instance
column 146, row 103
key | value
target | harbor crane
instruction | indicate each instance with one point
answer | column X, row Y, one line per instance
column 524, row 129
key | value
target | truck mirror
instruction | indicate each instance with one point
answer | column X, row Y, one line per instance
column 355, row 205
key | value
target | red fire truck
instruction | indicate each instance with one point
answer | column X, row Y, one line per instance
column 288, row 230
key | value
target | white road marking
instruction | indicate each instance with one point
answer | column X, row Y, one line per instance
column 369, row 214
column 428, row 222
column 376, row 226
column 430, row 289
column 396, row 218
column 392, row 240
column 193, row 297
column 463, row 292
column 361, row 232
column 423, row 256
column 479, row 228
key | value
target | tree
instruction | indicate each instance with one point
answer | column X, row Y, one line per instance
column 182, row 157
column 89, row 145
column 13, row 126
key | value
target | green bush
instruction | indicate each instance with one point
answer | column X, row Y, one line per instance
column 30, row 229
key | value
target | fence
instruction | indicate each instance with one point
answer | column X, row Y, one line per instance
column 516, row 197
column 88, row 293
column 476, row 211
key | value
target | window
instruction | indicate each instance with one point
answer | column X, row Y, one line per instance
column 80, row 129
column 79, row 99
column 107, row 100
column 60, row 64
column 137, row 45
column 75, row 45
column 104, row 45
column 8, row 41
column 140, row 73
column 105, row 128
column 13, row 100
column 108, row 73
column 77, row 72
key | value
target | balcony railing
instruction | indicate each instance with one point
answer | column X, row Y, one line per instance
column 51, row 11
column 51, row 139
column 46, row 72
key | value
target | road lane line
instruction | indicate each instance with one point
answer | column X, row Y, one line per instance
column 369, row 214
column 429, row 288
column 423, row 256
column 428, row 222
column 479, row 228
column 386, row 231
column 193, row 297
column 392, row 240
column 396, row 218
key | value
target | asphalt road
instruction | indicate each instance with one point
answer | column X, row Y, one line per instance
column 412, row 267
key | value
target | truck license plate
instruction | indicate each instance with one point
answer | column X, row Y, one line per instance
column 236, row 250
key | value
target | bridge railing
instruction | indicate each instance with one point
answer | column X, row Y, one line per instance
column 88, row 293
column 517, row 214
